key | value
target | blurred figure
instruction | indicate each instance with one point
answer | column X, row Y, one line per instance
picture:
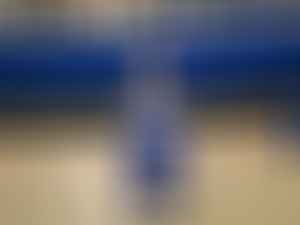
column 154, row 120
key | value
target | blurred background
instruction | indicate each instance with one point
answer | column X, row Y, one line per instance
column 83, row 81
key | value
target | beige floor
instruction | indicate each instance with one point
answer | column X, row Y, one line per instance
column 70, row 172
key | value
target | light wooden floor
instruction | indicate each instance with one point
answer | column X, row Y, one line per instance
column 70, row 172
